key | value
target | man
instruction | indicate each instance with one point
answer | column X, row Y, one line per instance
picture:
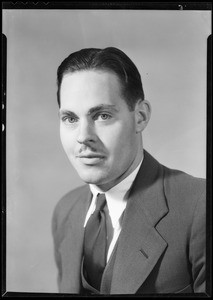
column 137, row 227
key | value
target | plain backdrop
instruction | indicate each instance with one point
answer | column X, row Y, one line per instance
column 169, row 49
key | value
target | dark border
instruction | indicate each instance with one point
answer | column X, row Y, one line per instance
column 209, row 168
column 3, row 164
column 108, row 5
column 198, row 295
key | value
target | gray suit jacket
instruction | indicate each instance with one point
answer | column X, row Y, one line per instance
column 161, row 248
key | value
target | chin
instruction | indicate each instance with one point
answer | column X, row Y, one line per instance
column 92, row 181
column 92, row 177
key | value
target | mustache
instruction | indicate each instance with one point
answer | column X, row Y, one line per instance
column 85, row 150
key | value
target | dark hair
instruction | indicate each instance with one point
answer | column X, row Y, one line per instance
column 108, row 59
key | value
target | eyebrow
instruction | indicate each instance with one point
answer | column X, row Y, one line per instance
column 65, row 112
column 92, row 110
column 102, row 107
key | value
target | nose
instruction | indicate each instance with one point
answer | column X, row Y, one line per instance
column 86, row 133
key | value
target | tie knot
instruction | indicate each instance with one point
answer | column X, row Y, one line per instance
column 100, row 202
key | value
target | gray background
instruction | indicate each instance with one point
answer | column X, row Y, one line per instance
column 169, row 48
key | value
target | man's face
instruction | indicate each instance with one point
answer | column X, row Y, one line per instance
column 97, row 129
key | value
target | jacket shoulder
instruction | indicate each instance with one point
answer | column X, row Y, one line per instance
column 187, row 187
column 180, row 178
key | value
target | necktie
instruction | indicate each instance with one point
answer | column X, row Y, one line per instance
column 95, row 243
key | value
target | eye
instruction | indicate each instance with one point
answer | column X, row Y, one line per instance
column 103, row 117
column 69, row 120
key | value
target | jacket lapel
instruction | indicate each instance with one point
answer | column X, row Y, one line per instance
column 139, row 245
column 72, row 245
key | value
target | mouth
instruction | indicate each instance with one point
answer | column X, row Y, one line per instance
column 90, row 159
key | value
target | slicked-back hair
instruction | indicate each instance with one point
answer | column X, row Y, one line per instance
column 109, row 59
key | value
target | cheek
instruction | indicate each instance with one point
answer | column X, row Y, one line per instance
column 66, row 140
column 120, row 140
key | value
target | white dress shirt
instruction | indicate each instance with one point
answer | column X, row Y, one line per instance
column 116, row 202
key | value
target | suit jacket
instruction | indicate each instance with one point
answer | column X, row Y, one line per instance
column 161, row 248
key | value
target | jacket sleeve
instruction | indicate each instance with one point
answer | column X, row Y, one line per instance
column 197, row 245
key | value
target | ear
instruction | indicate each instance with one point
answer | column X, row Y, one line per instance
column 142, row 115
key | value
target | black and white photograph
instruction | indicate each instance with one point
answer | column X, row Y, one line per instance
column 106, row 150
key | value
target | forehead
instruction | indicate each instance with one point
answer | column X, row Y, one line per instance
column 90, row 86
